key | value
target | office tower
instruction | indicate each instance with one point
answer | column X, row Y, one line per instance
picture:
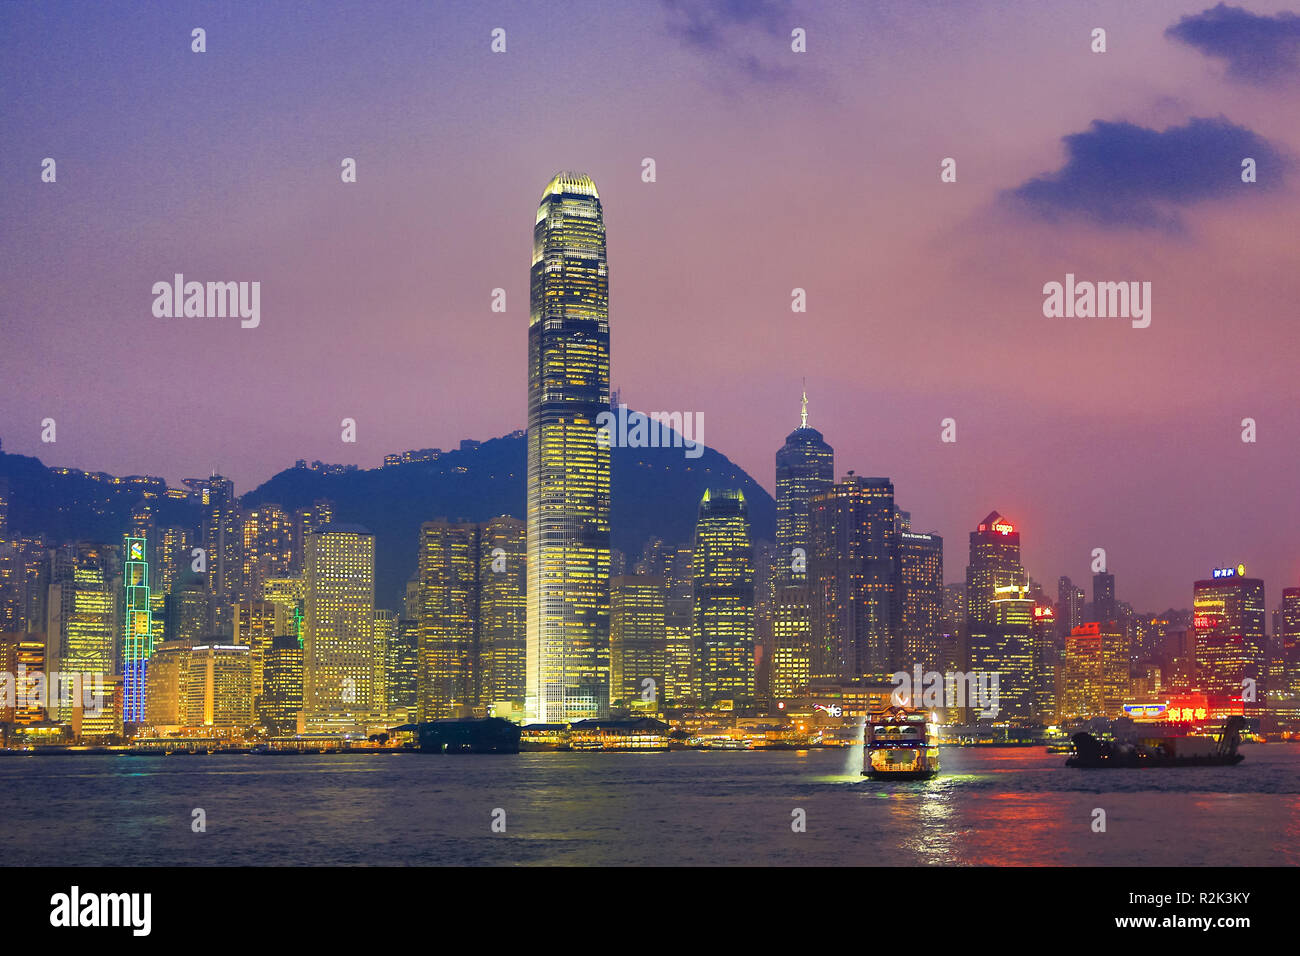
column 218, row 689
column 638, row 642
column 851, row 568
column 81, row 623
column 254, row 624
column 1103, row 597
column 305, row 521
column 1046, row 662
column 679, row 625
column 805, row 467
column 1069, row 606
column 339, row 609
column 769, row 569
column 1116, row 657
column 137, row 626
column 4, row 508
column 402, row 672
column 279, row 708
column 188, row 611
column 1228, row 611
column 384, row 631
column 222, row 544
column 449, row 605
column 791, row 641
column 503, row 610
column 918, row 599
column 568, row 467
column 723, row 573
column 1095, row 678
column 267, row 547
column 22, row 656
column 168, row 678
column 999, row 614
column 175, row 560
column 1081, row 691
column 288, row 594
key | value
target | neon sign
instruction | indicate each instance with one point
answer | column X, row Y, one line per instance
column 1203, row 623
column 834, row 710
column 1238, row 572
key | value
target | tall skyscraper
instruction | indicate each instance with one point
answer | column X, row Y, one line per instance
column 999, row 616
column 568, row 466
column 791, row 641
column 279, row 707
column 918, row 599
column 679, row 625
column 724, row 598
column 1103, row 597
column 449, row 609
column 81, row 629
column 339, row 616
column 852, row 573
column 1069, row 607
column 502, row 631
column 638, row 644
column 137, row 625
column 805, row 467
column 1229, row 612
column 223, row 547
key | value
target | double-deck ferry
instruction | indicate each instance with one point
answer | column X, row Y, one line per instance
column 900, row 743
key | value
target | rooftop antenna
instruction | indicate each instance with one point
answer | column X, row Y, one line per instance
column 803, row 417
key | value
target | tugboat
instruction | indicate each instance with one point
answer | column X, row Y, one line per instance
column 900, row 744
column 1091, row 753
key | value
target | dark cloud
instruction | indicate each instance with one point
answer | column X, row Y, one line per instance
column 1257, row 48
column 1121, row 174
column 722, row 28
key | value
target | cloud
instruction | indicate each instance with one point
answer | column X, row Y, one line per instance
column 1258, row 49
column 1124, row 175
column 724, row 28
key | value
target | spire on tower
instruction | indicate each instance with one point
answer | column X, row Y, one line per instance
column 803, row 417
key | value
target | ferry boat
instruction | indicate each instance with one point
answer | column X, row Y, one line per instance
column 900, row 744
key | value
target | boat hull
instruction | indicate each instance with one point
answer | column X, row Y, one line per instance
column 900, row 774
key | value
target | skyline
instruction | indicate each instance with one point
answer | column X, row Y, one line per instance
column 1139, row 454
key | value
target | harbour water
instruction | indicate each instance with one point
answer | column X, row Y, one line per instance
column 989, row 807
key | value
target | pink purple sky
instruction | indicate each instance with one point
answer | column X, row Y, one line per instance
column 775, row 170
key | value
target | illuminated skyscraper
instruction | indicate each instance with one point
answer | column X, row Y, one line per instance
column 81, row 628
column 267, row 547
column 724, row 598
column 255, row 624
column 805, row 467
column 638, row 643
column 339, row 617
column 852, row 572
column 1229, row 611
column 918, row 599
column 568, row 467
column 218, row 687
column 999, row 616
column 280, row 706
column 791, row 641
column 385, row 632
column 222, row 544
column 449, row 606
column 137, row 623
column 503, row 608
column 679, row 625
